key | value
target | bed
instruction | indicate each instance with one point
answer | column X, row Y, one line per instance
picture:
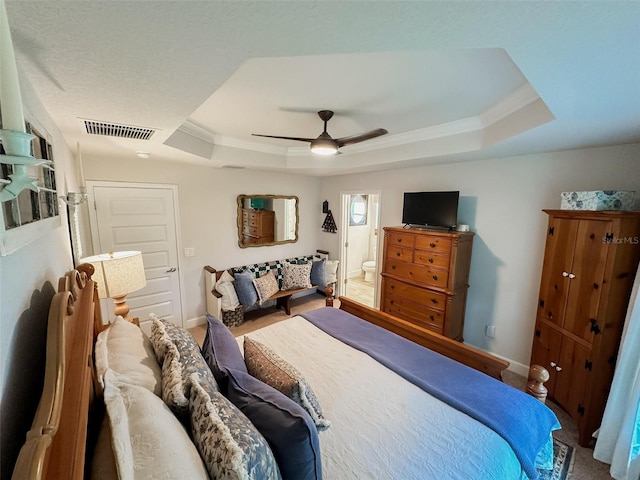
column 380, row 421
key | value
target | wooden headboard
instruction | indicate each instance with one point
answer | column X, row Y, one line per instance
column 55, row 446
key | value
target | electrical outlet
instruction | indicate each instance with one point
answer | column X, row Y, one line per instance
column 490, row 331
column 189, row 252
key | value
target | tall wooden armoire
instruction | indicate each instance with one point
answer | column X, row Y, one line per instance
column 590, row 262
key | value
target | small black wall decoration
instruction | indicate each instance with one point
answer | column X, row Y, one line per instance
column 329, row 224
column 325, row 206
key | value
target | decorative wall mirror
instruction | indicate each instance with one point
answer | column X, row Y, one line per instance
column 267, row 220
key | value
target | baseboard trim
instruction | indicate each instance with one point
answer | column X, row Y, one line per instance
column 194, row 322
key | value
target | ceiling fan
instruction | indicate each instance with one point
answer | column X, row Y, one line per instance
column 325, row 144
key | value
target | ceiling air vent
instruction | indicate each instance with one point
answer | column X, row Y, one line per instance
column 93, row 127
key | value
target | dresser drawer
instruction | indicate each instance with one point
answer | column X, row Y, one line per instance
column 433, row 243
column 250, row 231
column 400, row 239
column 426, row 298
column 417, row 273
column 431, row 259
column 400, row 253
column 431, row 319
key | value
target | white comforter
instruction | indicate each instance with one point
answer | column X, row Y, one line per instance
column 383, row 427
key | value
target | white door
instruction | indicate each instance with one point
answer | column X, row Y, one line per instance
column 144, row 219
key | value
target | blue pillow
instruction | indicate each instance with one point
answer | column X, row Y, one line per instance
column 288, row 428
column 221, row 352
column 318, row 276
column 245, row 289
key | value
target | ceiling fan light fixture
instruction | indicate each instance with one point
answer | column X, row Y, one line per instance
column 322, row 146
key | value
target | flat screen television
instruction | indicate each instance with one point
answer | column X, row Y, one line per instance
column 431, row 209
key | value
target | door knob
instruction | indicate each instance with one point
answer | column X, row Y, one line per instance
column 565, row 274
column 571, row 275
column 171, row 270
column 553, row 364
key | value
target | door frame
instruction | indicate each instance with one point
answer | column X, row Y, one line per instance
column 93, row 222
column 343, row 229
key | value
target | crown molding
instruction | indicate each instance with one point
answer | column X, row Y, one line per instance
column 510, row 104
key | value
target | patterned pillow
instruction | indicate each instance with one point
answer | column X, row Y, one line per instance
column 182, row 357
column 264, row 364
column 229, row 444
column 159, row 338
column 296, row 276
column 266, row 286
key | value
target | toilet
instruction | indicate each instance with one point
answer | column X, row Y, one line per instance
column 369, row 268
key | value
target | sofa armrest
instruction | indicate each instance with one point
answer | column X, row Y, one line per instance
column 214, row 299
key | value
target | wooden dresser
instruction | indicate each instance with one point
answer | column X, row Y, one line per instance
column 589, row 266
column 425, row 278
column 258, row 226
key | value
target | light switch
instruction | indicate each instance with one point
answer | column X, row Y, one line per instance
column 189, row 252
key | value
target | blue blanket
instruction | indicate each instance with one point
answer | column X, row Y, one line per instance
column 524, row 422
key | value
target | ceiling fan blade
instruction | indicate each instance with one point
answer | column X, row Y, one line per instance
column 285, row 138
column 360, row 137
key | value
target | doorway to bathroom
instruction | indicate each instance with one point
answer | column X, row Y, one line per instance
column 360, row 235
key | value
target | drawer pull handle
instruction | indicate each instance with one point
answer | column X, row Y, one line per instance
column 434, row 301
column 435, row 277
column 393, row 267
column 430, row 260
column 431, row 318
column 392, row 287
column 397, row 254
column 565, row 274
column 399, row 240
column 432, row 245
column 571, row 275
column 553, row 364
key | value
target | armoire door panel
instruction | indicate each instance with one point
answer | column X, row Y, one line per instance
column 555, row 272
column 571, row 381
column 546, row 352
column 586, row 277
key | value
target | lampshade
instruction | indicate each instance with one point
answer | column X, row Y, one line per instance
column 117, row 273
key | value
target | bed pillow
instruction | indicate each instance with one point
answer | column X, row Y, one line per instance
column 229, row 444
column 266, row 286
column 317, row 276
column 264, row 364
column 286, row 425
column 124, row 348
column 296, row 276
column 225, row 287
column 148, row 440
column 247, row 294
column 221, row 352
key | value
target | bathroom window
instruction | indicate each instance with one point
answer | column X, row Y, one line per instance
column 358, row 210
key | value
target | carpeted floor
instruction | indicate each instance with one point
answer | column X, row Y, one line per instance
column 585, row 467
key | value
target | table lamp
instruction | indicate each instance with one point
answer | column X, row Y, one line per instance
column 118, row 274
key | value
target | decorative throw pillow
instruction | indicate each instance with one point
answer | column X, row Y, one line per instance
column 124, row 348
column 182, row 357
column 229, row 444
column 296, row 276
column 159, row 337
column 331, row 271
column 221, row 352
column 264, row 364
column 247, row 294
column 225, row 287
column 266, row 286
column 148, row 440
column 286, row 425
column 318, row 277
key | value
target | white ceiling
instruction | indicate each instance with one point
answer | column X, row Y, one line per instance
column 450, row 81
